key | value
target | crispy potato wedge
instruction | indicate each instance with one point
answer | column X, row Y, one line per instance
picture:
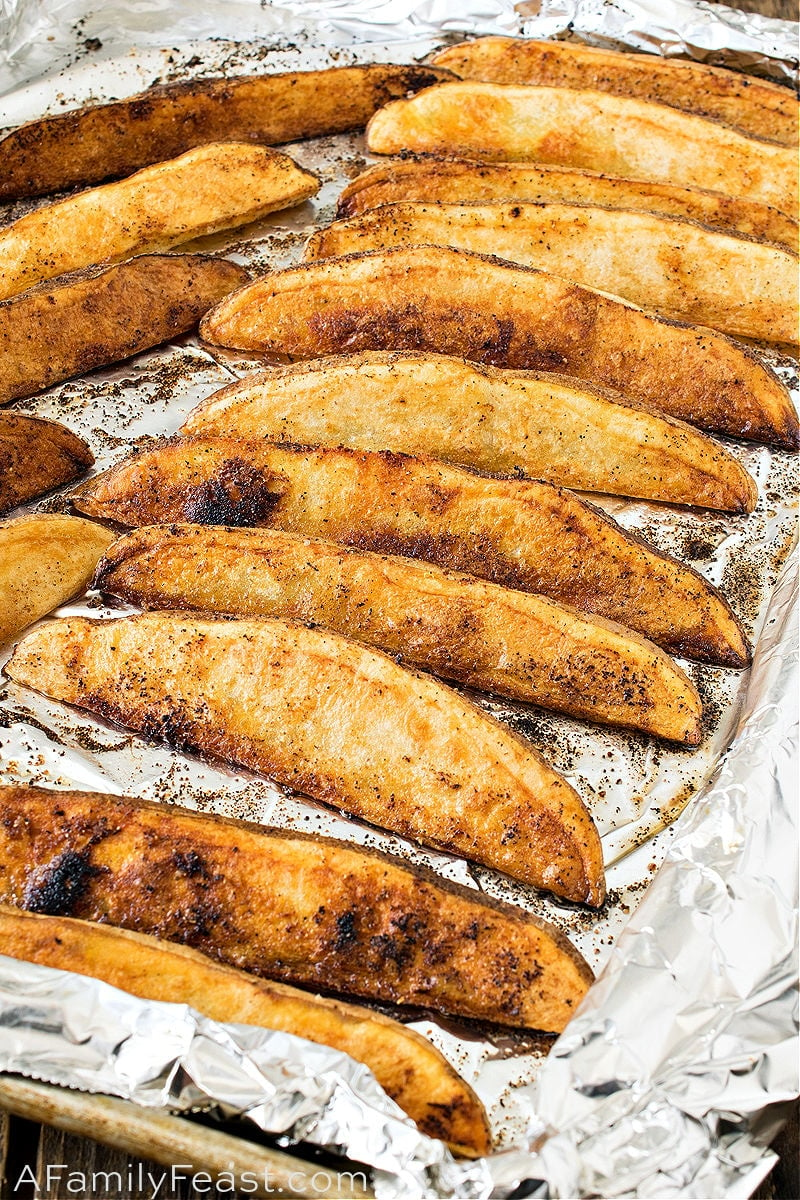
column 45, row 560
column 519, row 423
column 578, row 128
column 285, row 905
column 212, row 188
column 435, row 298
column 108, row 140
column 36, row 456
column 673, row 267
column 758, row 108
column 104, row 314
column 408, row 1067
column 460, row 627
column 522, row 534
column 470, row 181
column 292, row 703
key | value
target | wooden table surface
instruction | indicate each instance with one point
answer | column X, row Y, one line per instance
column 27, row 1144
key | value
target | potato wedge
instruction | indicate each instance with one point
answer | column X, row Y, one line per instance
column 209, row 189
column 755, row 106
column 519, row 533
column 519, row 423
column 673, row 267
column 408, row 1067
column 285, row 905
column 470, row 181
column 36, row 456
column 105, row 141
column 594, row 130
column 461, row 628
column 292, row 703
column 438, row 299
column 45, row 560
column 102, row 315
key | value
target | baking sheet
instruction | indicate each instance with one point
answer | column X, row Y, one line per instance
column 633, row 785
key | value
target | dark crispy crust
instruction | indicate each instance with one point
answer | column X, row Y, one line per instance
column 90, row 318
column 285, row 905
column 482, row 308
column 755, row 106
column 520, row 533
column 405, row 1064
column 109, row 140
column 35, row 456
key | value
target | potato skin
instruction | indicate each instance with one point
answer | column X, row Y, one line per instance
column 673, row 267
column 45, row 560
column 105, row 141
column 572, row 127
column 204, row 191
column 438, row 299
column 520, row 533
column 437, row 770
column 289, row 906
column 408, row 1067
column 457, row 626
column 471, row 181
column 102, row 315
column 35, row 456
column 755, row 106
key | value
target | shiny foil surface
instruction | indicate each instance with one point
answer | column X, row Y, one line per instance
column 660, row 1085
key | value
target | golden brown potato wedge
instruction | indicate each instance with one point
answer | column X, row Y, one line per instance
column 36, row 456
column 519, row 423
column 588, row 129
column 99, row 316
column 753, row 105
column 293, row 703
column 470, row 181
column 108, row 140
column 673, row 267
column 408, row 1067
column 520, row 533
column 435, row 298
column 460, row 627
column 45, row 560
column 286, row 905
column 209, row 189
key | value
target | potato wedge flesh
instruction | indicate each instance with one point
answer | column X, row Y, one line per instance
column 289, row 702
column 438, row 299
column 755, row 106
column 408, row 1067
column 209, row 189
column 588, row 129
column 673, row 267
column 289, row 906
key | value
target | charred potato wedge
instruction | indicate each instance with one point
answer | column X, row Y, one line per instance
column 45, row 560
column 756, row 107
column 207, row 190
column 105, row 141
column 518, row 533
column 290, row 702
column 462, row 628
column 36, row 456
column 435, row 298
column 673, row 267
column 470, row 181
column 588, row 129
column 518, row 423
column 99, row 316
column 407, row 1067
column 285, row 905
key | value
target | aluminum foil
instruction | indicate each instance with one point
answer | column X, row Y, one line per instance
column 621, row 1094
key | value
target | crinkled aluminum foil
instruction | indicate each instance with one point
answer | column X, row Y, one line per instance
column 615, row 1127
